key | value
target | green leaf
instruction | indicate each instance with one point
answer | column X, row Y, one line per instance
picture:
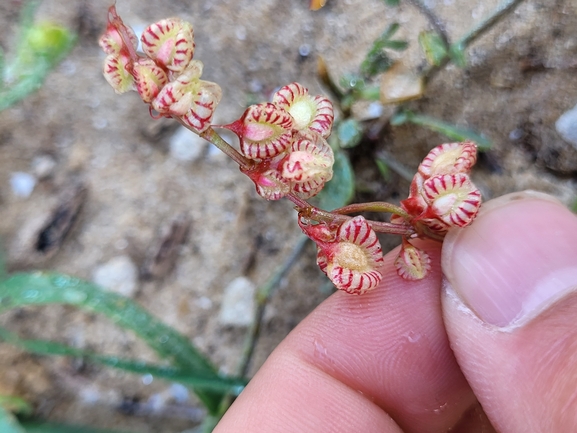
column 339, row 191
column 2, row 66
column 433, row 46
column 349, row 133
column 49, row 40
column 375, row 64
column 377, row 60
column 40, row 48
column 352, row 82
column 3, row 272
column 387, row 34
column 384, row 169
column 399, row 117
column 457, row 55
column 391, row 2
column 42, row 288
column 451, row 131
column 45, row 427
column 396, row 45
column 8, row 422
column 44, row 347
column 15, row 404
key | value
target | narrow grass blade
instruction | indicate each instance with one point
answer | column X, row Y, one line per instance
column 45, row 427
column 451, row 131
column 44, row 347
column 3, row 272
column 42, row 288
column 376, row 60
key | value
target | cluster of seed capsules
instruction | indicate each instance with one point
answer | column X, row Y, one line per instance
column 164, row 75
column 441, row 197
column 286, row 139
column 284, row 146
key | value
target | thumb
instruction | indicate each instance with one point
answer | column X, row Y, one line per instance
column 510, row 309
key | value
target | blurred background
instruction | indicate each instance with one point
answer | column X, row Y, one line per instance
column 126, row 185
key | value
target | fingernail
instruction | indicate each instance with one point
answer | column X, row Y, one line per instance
column 517, row 258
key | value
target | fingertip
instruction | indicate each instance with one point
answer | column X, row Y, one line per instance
column 388, row 347
column 516, row 259
column 509, row 303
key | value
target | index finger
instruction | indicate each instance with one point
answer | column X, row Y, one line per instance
column 378, row 362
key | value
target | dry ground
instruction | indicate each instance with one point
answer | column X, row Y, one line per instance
column 520, row 79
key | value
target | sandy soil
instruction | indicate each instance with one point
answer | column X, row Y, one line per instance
column 520, row 79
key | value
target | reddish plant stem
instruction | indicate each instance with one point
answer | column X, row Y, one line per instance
column 377, row 206
column 212, row 136
column 312, row 212
column 117, row 22
column 307, row 210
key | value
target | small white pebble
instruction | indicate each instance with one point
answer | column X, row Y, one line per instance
column 375, row 110
column 255, row 86
column 22, row 184
column 516, row 134
column 99, row 123
column 566, row 126
column 43, row 166
column 179, row 393
column 304, row 50
column 121, row 244
column 241, row 33
column 118, row 275
column 238, row 305
column 147, row 379
column 186, row 146
column 204, row 302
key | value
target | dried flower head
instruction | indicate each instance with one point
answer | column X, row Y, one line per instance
column 189, row 98
column 149, row 79
column 412, row 263
column 116, row 72
column 113, row 41
column 169, row 42
column 452, row 199
column 309, row 164
column 313, row 113
column 449, row 158
column 264, row 131
column 442, row 195
column 353, row 258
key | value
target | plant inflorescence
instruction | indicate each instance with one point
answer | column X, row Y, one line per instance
column 283, row 149
column 286, row 149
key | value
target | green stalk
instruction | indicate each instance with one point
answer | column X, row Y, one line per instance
column 213, row 137
column 377, row 206
column 477, row 31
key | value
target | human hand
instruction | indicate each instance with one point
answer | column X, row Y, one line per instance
column 499, row 331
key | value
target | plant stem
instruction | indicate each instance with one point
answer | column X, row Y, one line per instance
column 485, row 25
column 388, row 159
column 434, row 20
column 307, row 210
column 212, row 136
column 479, row 30
column 376, row 206
column 262, row 297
